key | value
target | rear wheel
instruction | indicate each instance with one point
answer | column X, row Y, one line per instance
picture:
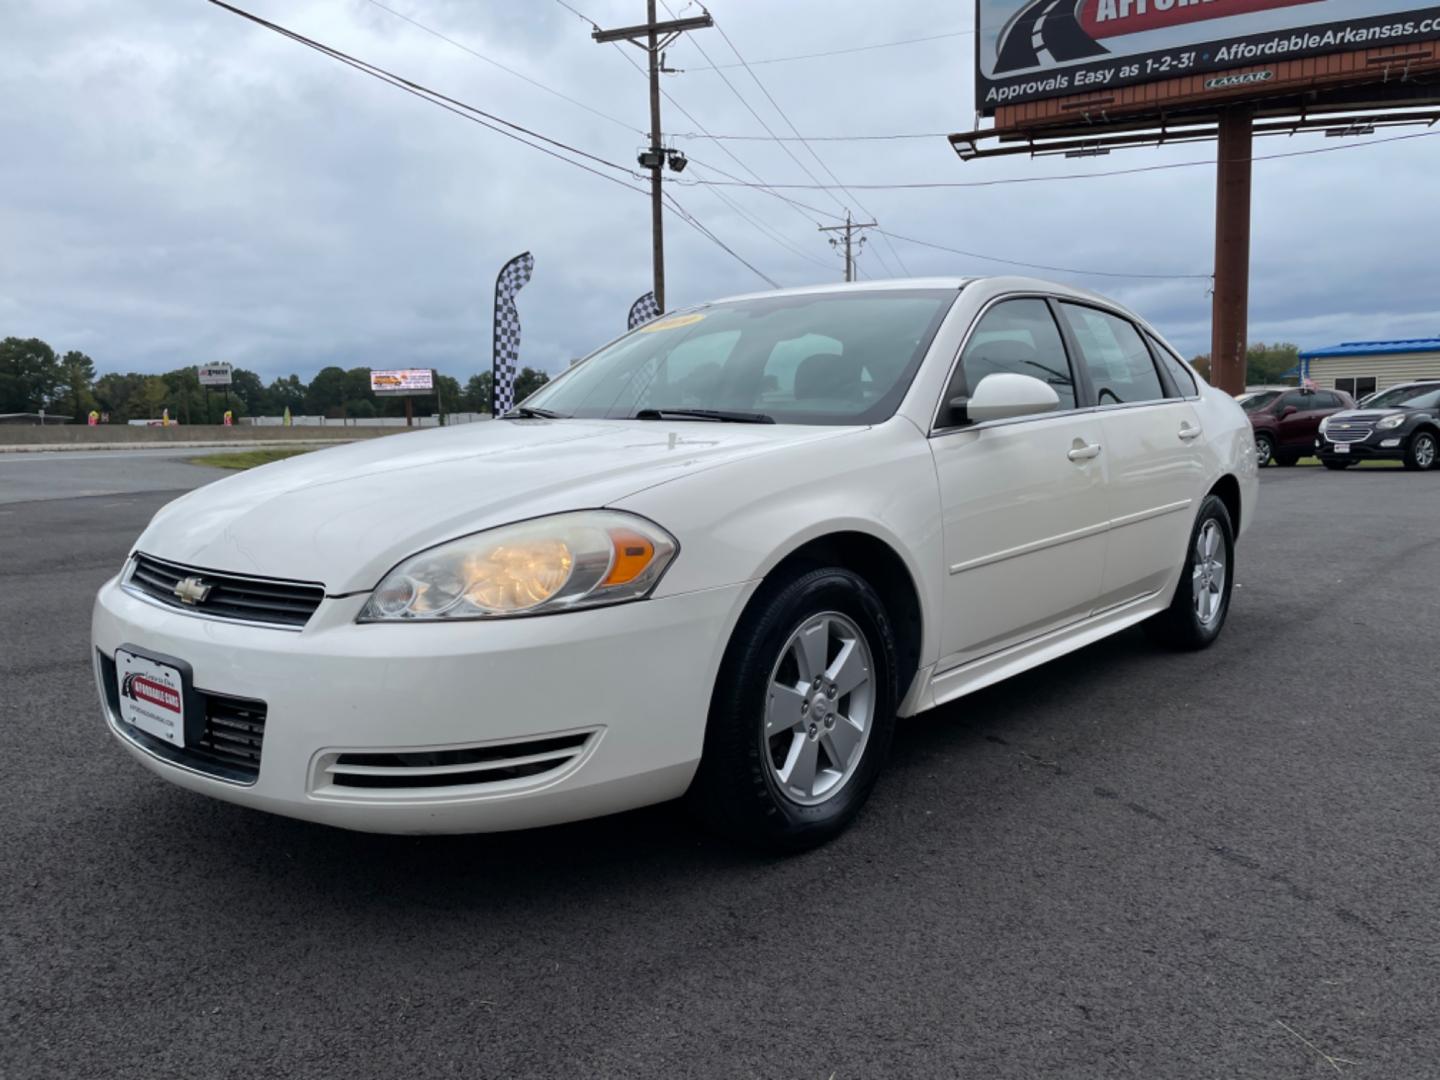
column 1264, row 450
column 1197, row 613
column 802, row 714
column 1420, row 451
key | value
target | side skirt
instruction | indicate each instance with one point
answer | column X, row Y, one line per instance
column 958, row 681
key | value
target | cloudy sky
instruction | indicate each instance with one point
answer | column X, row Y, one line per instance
column 179, row 186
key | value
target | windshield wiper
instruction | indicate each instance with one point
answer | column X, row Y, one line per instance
column 723, row 416
column 529, row 412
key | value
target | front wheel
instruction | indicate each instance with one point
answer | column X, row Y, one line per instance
column 802, row 713
column 1420, row 452
column 1197, row 613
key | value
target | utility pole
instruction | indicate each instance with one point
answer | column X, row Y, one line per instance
column 850, row 229
column 654, row 37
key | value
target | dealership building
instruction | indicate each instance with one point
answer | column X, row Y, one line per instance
column 1362, row 367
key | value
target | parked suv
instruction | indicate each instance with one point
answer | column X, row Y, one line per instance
column 1399, row 424
column 1286, row 421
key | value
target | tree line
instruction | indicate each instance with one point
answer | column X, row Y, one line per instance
column 35, row 377
column 1265, row 365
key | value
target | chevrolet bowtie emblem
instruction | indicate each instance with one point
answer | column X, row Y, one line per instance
column 192, row 590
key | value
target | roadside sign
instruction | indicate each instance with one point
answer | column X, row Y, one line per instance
column 403, row 381
column 214, row 374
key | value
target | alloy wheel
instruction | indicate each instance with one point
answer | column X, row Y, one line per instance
column 1263, row 451
column 1208, row 576
column 1425, row 450
column 819, row 709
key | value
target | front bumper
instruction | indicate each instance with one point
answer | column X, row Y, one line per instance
column 1380, row 446
column 634, row 679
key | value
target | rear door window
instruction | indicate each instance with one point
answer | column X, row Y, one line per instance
column 1115, row 356
column 1179, row 373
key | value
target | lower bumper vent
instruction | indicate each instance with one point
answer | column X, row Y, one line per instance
column 497, row 765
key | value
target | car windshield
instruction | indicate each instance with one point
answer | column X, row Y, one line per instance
column 1406, row 397
column 821, row 358
column 1257, row 401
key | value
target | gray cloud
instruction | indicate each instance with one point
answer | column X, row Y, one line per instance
column 182, row 187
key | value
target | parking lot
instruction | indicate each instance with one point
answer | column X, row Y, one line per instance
column 1129, row 863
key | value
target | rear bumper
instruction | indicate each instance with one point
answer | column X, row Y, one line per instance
column 634, row 680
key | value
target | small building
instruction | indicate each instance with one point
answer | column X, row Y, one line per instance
column 1362, row 367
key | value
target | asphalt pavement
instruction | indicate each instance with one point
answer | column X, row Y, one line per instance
column 69, row 474
column 1128, row 863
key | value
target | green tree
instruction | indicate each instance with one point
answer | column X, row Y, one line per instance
column 247, row 392
column 528, row 381
column 326, row 395
column 1264, row 364
column 476, row 397
column 448, row 395
column 78, row 372
column 286, row 393
column 152, row 399
column 30, row 375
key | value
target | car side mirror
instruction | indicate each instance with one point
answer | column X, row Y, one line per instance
column 1004, row 396
column 1289, row 410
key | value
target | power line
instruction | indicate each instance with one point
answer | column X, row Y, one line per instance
column 767, row 230
column 741, row 98
column 1002, row 181
column 473, row 114
column 583, row 18
column 760, row 184
column 811, row 138
column 508, row 70
column 691, row 220
column 784, row 116
column 840, row 52
column 1044, row 266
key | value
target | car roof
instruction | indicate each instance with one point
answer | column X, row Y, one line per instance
column 998, row 283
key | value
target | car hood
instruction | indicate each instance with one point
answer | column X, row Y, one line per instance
column 1369, row 415
column 344, row 516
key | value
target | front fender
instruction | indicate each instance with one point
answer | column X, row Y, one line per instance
column 737, row 522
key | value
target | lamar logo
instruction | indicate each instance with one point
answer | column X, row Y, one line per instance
column 147, row 690
column 1250, row 78
column 192, row 590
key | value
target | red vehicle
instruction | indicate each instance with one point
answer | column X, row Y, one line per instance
column 1286, row 421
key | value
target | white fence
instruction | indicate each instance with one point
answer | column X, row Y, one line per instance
column 374, row 421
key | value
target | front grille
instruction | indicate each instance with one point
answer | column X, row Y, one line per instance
column 1348, row 431
column 506, row 763
column 228, row 748
column 231, row 596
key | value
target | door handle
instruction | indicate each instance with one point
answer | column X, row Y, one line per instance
column 1187, row 432
column 1084, row 453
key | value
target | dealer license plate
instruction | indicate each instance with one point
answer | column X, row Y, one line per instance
column 1342, row 448
column 152, row 696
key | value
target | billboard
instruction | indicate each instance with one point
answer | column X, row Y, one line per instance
column 1030, row 50
column 403, row 381
column 214, row 374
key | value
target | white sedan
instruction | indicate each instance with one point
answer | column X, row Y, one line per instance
column 717, row 559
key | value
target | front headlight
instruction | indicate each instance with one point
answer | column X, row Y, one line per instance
column 1390, row 422
column 534, row 567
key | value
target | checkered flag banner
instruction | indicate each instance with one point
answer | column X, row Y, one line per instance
column 512, row 278
column 643, row 310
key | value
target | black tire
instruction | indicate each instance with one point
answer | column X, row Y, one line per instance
column 1422, row 451
column 734, row 791
column 1179, row 626
column 1264, row 450
column 1287, row 460
column 1338, row 464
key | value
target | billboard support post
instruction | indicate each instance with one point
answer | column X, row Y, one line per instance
column 1231, row 310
